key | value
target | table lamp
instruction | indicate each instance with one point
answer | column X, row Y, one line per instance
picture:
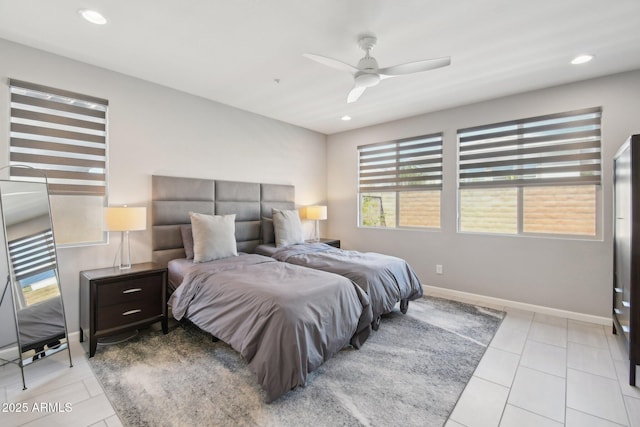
column 316, row 213
column 125, row 219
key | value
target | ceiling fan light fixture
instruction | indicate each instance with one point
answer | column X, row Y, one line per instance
column 582, row 59
column 345, row 118
column 366, row 79
column 92, row 16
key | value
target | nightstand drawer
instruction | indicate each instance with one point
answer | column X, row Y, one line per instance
column 133, row 289
column 130, row 312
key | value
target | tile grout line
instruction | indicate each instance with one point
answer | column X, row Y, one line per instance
column 506, row 402
column 624, row 401
column 611, row 358
column 535, row 413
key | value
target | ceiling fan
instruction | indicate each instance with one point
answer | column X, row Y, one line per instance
column 368, row 74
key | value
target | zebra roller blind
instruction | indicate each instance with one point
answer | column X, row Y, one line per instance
column 556, row 149
column 409, row 164
column 61, row 133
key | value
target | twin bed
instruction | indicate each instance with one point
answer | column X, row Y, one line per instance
column 386, row 279
column 283, row 317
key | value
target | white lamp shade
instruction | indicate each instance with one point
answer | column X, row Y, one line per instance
column 316, row 212
column 125, row 218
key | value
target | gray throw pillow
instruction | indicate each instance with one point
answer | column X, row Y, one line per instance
column 213, row 236
column 187, row 240
column 287, row 227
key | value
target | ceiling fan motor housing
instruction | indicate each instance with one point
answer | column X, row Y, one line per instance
column 368, row 74
column 368, row 64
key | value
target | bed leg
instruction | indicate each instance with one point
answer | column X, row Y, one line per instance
column 375, row 325
column 404, row 306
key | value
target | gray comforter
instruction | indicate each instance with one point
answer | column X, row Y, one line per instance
column 386, row 279
column 283, row 319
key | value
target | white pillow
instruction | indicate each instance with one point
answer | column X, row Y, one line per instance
column 214, row 236
column 287, row 227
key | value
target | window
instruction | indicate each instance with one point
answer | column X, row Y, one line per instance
column 63, row 134
column 400, row 183
column 539, row 175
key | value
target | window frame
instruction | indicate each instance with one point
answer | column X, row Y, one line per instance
column 398, row 189
column 520, row 208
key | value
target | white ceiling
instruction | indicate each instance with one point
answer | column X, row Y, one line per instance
column 233, row 51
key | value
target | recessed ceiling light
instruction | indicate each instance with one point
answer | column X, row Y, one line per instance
column 581, row 59
column 93, row 16
column 345, row 118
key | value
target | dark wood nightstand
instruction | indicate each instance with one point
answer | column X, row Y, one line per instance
column 331, row 242
column 113, row 301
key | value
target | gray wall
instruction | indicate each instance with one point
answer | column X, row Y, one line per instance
column 157, row 130
column 566, row 274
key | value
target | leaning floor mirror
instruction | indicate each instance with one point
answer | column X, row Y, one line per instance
column 33, row 281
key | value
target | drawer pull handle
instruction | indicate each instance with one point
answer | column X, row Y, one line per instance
column 126, row 313
column 626, row 304
column 130, row 291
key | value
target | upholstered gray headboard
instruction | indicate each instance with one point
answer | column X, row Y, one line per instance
column 174, row 197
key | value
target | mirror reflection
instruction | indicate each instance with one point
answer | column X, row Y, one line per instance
column 31, row 255
column 29, row 241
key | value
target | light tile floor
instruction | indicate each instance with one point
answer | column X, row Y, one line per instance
column 542, row 370
column 538, row 371
column 52, row 381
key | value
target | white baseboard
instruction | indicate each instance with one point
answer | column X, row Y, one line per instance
column 499, row 303
column 9, row 353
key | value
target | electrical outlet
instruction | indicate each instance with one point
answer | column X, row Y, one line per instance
column 438, row 268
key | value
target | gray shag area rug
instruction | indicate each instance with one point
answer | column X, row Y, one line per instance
column 409, row 372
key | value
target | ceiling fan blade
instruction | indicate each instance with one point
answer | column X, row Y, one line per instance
column 355, row 93
column 330, row 62
column 415, row 67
